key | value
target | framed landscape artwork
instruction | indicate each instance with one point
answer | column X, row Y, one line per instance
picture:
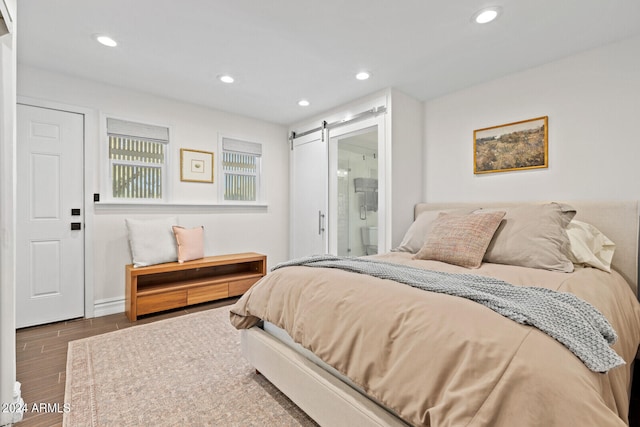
column 196, row 166
column 510, row 147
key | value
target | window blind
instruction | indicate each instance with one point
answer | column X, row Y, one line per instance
column 137, row 130
column 245, row 147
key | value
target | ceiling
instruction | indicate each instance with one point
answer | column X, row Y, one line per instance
column 281, row 51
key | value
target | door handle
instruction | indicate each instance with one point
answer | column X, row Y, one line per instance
column 76, row 226
column 320, row 222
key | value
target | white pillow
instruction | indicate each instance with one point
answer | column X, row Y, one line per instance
column 589, row 246
column 152, row 241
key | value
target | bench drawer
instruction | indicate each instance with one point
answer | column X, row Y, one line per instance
column 163, row 301
column 207, row 293
column 239, row 287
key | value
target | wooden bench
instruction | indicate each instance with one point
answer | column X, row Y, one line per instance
column 172, row 285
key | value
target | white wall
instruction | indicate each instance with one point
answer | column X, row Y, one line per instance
column 7, row 214
column 593, row 103
column 227, row 230
column 406, row 161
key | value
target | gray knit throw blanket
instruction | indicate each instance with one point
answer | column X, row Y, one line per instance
column 570, row 320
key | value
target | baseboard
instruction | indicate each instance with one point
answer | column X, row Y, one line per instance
column 108, row 306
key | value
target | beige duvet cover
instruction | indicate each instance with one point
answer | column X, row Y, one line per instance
column 439, row 360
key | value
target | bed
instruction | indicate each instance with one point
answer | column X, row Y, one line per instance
column 351, row 349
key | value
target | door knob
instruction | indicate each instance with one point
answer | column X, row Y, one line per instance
column 76, row 226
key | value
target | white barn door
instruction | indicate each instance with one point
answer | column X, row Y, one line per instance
column 309, row 168
column 50, row 217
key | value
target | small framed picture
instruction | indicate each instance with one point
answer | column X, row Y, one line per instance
column 510, row 147
column 196, row 166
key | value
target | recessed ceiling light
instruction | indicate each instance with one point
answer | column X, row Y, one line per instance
column 486, row 15
column 363, row 75
column 226, row 78
column 106, row 40
column 304, row 103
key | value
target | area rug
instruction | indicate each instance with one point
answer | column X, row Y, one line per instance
column 183, row 371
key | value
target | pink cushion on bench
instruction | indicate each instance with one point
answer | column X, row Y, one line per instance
column 190, row 243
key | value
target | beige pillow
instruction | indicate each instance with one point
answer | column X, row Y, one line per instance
column 460, row 239
column 589, row 246
column 417, row 233
column 190, row 243
column 533, row 236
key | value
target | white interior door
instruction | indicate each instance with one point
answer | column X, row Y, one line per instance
column 50, row 217
column 309, row 196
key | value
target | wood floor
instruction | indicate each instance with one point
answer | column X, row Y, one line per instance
column 42, row 356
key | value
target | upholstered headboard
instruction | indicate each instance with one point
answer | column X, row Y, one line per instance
column 618, row 220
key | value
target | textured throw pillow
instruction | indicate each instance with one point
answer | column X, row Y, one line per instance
column 417, row 233
column 533, row 236
column 190, row 243
column 460, row 239
column 151, row 241
column 589, row 246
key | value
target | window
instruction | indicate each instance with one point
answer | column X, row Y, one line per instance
column 241, row 169
column 137, row 160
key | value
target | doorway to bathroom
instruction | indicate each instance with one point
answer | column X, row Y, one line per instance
column 356, row 188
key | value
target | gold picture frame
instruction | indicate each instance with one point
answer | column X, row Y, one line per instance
column 196, row 165
column 512, row 147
